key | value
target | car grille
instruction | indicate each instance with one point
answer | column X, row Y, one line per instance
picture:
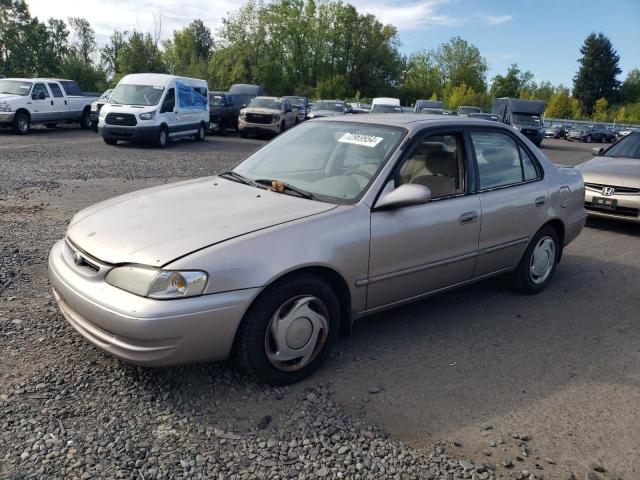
column 125, row 119
column 257, row 118
column 622, row 211
column 616, row 190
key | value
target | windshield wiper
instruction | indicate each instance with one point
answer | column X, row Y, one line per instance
column 286, row 186
column 236, row 177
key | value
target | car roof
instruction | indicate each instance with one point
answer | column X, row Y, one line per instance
column 412, row 121
column 38, row 79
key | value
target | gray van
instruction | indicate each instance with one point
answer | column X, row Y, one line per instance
column 525, row 115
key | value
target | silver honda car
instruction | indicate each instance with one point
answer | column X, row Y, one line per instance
column 335, row 220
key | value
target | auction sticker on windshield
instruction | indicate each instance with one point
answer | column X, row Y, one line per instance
column 360, row 139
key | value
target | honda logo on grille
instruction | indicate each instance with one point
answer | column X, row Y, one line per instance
column 77, row 258
column 608, row 191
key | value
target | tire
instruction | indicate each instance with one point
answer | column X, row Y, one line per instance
column 256, row 350
column 110, row 141
column 529, row 278
column 85, row 120
column 588, row 139
column 202, row 133
column 162, row 138
column 21, row 123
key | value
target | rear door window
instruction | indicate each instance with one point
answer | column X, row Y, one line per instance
column 56, row 90
column 501, row 160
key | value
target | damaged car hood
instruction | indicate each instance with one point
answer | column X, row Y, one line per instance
column 157, row 225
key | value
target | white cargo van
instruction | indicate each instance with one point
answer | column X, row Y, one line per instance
column 157, row 108
column 386, row 105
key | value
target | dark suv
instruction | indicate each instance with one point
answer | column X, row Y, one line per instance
column 591, row 133
column 224, row 110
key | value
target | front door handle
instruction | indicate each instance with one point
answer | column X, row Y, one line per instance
column 51, row 102
column 540, row 201
column 468, row 217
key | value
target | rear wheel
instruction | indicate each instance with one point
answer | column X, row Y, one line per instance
column 162, row 138
column 289, row 330
column 21, row 123
column 538, row 263
column 589, row 138
column 202, row 132
column 85, row 120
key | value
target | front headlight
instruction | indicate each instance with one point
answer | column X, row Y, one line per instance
column 5, row 107
column 102, row 113
column 94, row 106
column 147, row 115
column 154, row 283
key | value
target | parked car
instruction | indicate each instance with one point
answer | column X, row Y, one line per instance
column 154, row 107
column 433, row 111
column 484, row 116
column 358, row 107
column 337, row 219
column 224, row 110
column 422, row 104
column 523, row 115
column 271, row 115
column 556, row 131
column 386, row 105
column 301, row 103
column 590, row 133
column 464, row 110
column 246, row 92
column 28, row 101
column 97, row 106
column 626, row 131
column 612, row 180
column 327, row 108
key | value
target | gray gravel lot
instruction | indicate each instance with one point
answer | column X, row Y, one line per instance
column 476, row 383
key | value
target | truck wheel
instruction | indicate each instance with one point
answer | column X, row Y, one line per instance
column 289, row 331
column 110, row 141
column 85, row 120
column 162, row 139
column 21, row 123
column 283, row 127
column 588, row 138
column 201, row 133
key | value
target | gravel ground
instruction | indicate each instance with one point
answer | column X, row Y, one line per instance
column 69, row 411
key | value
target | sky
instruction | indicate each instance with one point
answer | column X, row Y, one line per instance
column 542, row 36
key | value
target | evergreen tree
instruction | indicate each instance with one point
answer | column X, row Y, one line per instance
column 596, row 77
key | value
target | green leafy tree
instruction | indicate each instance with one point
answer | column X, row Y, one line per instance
column 630, row 88
column 422, row 78
column 189, row 51
column 465, row 95
column 513, row 84
column 461, row 63
column 560, row 105
column 596, row 77
column 601, row 110
column 139, row 54
column 85, row 42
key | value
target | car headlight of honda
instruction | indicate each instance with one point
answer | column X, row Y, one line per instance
column 155, row 283
column 147, row 115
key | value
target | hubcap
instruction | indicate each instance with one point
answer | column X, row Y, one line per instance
column 296, row 333
column 542, row 260
column 22, row 124
column 163, row 137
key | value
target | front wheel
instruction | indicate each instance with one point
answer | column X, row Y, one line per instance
column 538, row 263
column 201, row 133
column 21, row 123
column 162, row 138
column 289, row 330
column 589, row 138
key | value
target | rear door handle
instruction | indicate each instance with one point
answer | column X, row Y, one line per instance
column 540, row 201
column 51, row 102
column 468, row 217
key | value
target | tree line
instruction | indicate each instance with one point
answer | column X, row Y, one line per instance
column 316, row 48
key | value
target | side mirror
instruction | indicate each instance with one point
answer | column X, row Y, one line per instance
column 38, row 96
column 404, row 195
column 595, row 151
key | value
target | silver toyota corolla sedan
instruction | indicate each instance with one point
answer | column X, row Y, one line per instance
column 612, row 180
column 334, row 220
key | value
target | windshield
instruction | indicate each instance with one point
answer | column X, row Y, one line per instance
column 216, row 100
column 628, row 147
column 526, row 119
column 386, row 109
column 15, row 87
column 145, row 95
column 269, row 103
column 331, row 106
column 334, row 161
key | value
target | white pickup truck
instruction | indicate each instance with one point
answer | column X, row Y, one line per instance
column 25, row 101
